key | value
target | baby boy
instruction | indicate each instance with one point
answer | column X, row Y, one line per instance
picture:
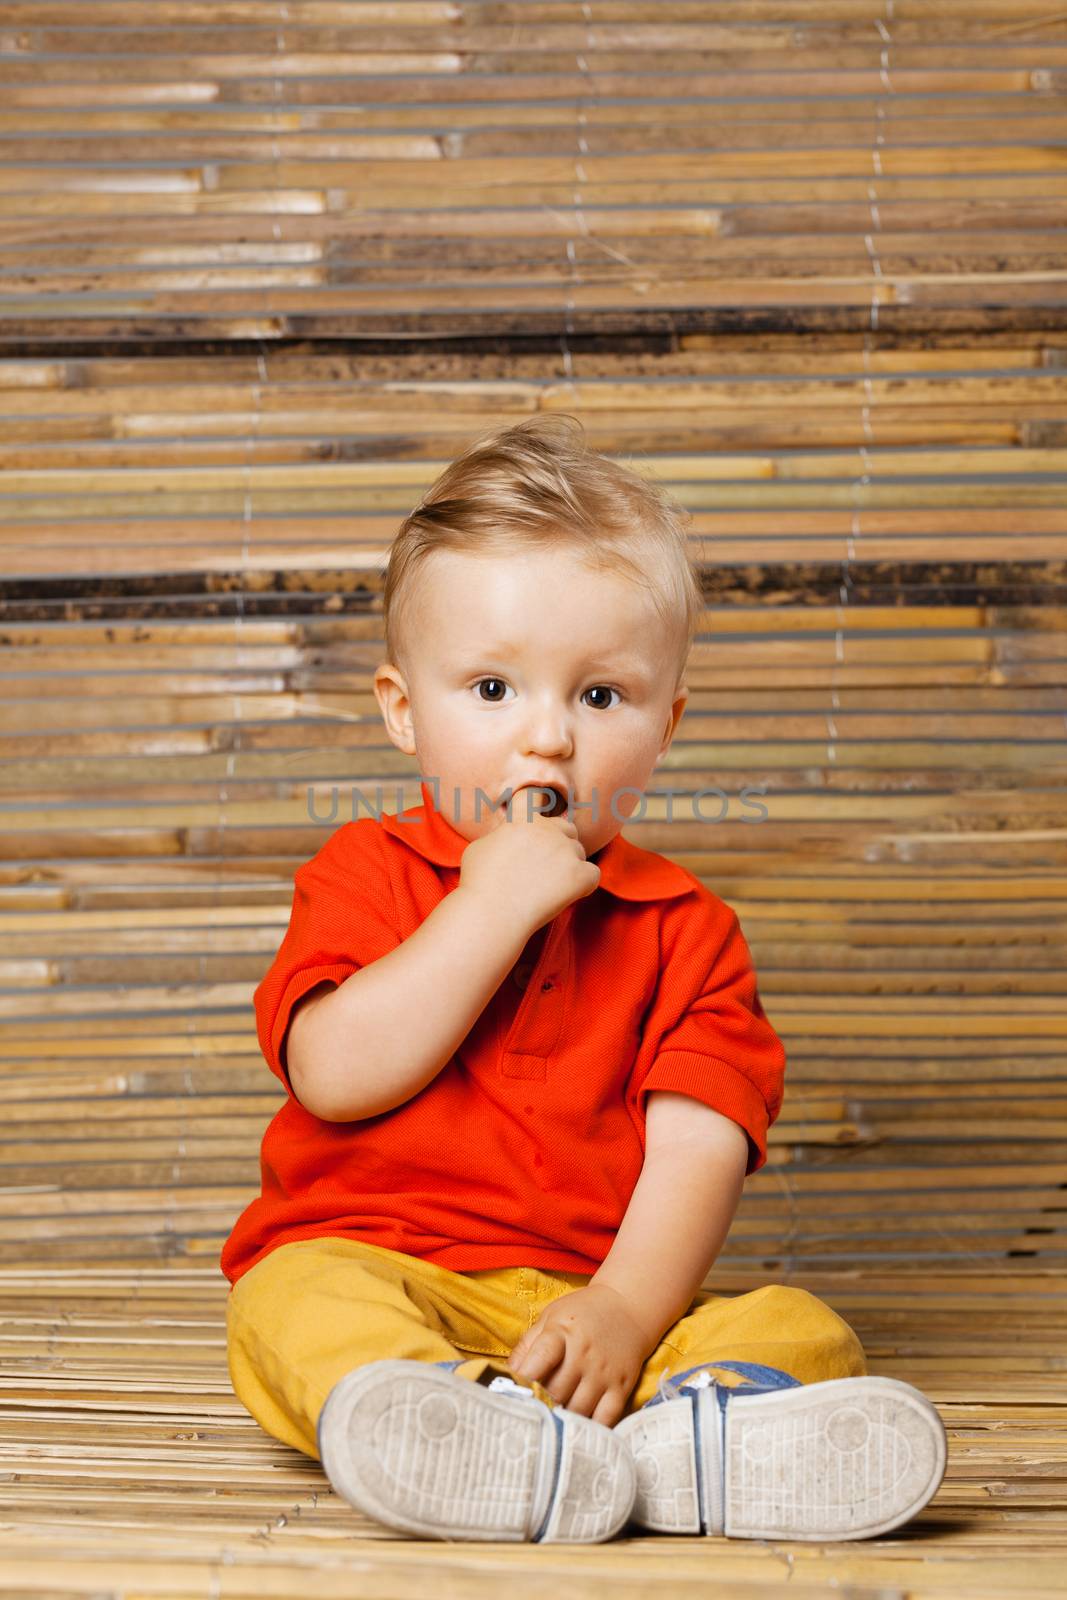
column 527, row 1071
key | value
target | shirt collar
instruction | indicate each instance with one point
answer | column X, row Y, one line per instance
column 625, row 869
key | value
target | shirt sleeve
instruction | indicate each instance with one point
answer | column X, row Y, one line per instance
column 721, row 1049
column 343, row 917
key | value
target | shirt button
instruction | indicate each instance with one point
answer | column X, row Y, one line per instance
column 546, row 986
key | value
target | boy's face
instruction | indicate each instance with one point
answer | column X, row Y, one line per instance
column 530, row 666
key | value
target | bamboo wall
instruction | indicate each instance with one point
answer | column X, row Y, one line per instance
column 265, row 268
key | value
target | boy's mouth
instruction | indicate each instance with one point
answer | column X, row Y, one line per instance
column 559, row 798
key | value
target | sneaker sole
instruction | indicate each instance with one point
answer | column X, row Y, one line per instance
column 427, row 1452
column 848, row 1458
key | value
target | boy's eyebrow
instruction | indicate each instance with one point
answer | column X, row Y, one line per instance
column 608, row 663
column 622, row 662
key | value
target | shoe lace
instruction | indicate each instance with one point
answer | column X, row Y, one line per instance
column 670, row 1388
column 508, row 1386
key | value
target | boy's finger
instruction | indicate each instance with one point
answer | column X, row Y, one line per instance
column 502, row 817
column 544, row 1355
column 608, row 1410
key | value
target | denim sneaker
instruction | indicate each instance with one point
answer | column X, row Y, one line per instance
column 421, row 1449
column 755, row 1454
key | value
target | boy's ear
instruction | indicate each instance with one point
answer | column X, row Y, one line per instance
column 675, row 717
column 391, row 693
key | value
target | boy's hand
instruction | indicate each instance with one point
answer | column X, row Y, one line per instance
column 533, row 862
column 587, row 1350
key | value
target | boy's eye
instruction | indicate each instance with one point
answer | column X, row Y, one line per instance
column 496, row 684
column 495, row 688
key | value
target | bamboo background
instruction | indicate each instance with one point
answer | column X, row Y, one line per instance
column 264, row 268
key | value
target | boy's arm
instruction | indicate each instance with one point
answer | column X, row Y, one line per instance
column 680, row 1210
column 344, row 1052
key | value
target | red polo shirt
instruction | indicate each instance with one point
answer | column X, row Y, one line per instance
column 526, row 1147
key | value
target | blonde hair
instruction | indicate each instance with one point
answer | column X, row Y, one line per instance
column 538, row 483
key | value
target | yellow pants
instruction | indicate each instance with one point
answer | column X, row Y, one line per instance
column 310, row 1311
